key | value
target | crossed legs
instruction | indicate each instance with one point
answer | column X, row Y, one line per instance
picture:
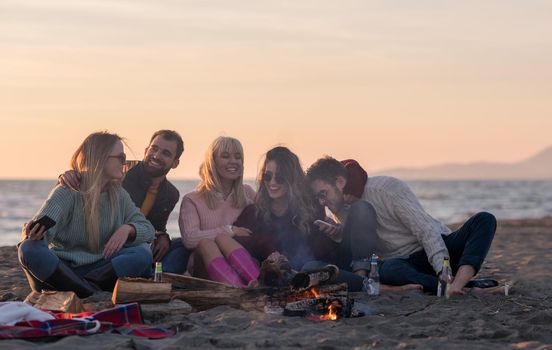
column 467, row 247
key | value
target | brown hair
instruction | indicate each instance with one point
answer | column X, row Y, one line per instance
column 300, row 203
column 171, row 135
column 326, row 169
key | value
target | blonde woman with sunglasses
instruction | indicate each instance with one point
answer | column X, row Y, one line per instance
column 82, row 241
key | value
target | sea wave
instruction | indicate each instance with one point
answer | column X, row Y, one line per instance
column 449, row 201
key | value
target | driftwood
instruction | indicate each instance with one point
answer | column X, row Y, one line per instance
column 199, row 293
column 203, row 294
column 182, row 282
column 241, row 299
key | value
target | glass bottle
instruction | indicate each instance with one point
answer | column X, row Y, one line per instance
column 372, row 283
column 445, row 279
column 158, row 272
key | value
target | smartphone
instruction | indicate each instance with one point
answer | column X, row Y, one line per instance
column 45, row 221
column 321, row 222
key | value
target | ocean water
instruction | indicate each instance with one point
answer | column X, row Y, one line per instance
column 449, row 201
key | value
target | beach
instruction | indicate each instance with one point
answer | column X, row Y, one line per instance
column 521, row 255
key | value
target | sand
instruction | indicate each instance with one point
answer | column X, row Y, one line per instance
column 521, row 254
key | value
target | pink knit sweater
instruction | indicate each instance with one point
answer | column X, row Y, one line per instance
column 197, row 221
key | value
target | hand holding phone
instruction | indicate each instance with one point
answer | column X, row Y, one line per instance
column 35, row 229
column 45, row 221
column 322, row 223
column 334, row 232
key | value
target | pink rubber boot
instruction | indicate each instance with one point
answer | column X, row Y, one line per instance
column 242, row 262
column 219, row 270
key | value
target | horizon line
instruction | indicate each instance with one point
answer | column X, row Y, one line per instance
column 402, row 178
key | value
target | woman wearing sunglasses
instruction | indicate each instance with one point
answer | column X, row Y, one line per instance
column 207, row 214
column 82, row 241
column 282, row 218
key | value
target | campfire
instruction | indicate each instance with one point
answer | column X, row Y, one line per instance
column 320, row 303
column 334, row 307
column 306, row 294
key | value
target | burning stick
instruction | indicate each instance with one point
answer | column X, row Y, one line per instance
column 328, row 302
column 307, row 279
column 320, row 308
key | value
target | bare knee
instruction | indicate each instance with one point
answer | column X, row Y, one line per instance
column 207, row 250
column 205, row 245
column 222, row 240
column 227, row 244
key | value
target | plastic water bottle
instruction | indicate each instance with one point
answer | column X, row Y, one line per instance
column 445, row 279
column 372, row 283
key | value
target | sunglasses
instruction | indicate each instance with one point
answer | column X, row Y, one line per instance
column 267, row 177
column 121, row 157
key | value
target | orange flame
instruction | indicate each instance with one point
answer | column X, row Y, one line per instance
column 314, row 292
column 332, row 313
column 330, row 316
column 332, row 309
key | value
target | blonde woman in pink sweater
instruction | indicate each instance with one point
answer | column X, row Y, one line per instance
column 207, row 214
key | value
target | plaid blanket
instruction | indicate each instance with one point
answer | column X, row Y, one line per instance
column 123, row 319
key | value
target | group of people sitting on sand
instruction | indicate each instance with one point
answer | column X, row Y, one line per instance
column 103, row 224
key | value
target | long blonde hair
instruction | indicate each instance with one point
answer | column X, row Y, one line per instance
column 89, row 160
column 210, row 185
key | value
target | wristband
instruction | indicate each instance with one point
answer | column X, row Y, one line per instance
column 229, row 230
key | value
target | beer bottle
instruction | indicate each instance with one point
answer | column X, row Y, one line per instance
column 445, row 279
column 158, row 272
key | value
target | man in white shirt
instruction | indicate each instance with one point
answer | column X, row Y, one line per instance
column 412, row 243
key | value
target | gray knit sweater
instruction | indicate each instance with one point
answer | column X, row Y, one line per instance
column 403, row 226
column 67, row 239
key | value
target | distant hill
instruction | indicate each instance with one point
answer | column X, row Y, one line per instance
column 538, row 167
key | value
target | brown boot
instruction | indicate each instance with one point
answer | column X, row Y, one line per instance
column 103, row 277
column 35, row 284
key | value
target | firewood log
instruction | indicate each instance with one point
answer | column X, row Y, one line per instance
column 201, row 294
column 238, row 298
column 193, row 283
column 140, row 290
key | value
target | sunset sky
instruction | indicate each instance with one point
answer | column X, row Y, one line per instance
column 390, row 83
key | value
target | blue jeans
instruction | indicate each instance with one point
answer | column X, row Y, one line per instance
column 176, row 259
column 359, row 237
column 37, row 259
column 467, row 246
column 359, row 243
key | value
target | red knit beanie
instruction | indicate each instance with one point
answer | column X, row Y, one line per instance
column 357, row 178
